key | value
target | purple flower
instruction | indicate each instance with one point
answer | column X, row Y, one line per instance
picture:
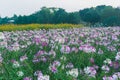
column 27, row 78
column 22, row 58
column 92, row 60
column 65, row 49
column 44, row 44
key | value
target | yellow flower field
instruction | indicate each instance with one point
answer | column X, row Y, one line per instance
column 12, row 27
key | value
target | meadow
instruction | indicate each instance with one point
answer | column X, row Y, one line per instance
column 75, row 53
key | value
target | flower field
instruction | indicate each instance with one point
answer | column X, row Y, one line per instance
column 60, row 54
column 13, row 27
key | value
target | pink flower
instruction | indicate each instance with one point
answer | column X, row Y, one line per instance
column 92, row 60
column 27, row 78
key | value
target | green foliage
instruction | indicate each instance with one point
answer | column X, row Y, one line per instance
column 106, row 15
column 90, row 15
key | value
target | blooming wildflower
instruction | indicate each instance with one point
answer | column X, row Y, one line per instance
column 56, row 63
column 115, row 77
column 44, row 44
column 22, row 58
column 3, row 44
column 2, row 35
column 107, row 61
column 73, row 72
column 15, row 47
column 74, row 49
column 40, row 76
column 63, row 58
column 16, row 64
column 43, row 59
column 36, row 40
column 87, row 48
column 60, row 40
column 20, row 73
column 107, row 78
column 105, row 68
column 65, row 49
column 117, row 56
column 38, row 73
column 100, row 51
column 54, row 66
column 111, row 48
column 52, row 53
column 69, row 65
column 53, row 69
column 115, row 65
column 1, row 59
column 45, row 77
column 92, row 60
column 27, row 78
column 90, row 71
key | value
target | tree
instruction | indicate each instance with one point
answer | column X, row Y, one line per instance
column 90, row 16
column 60, row 16
column 74, row 18
column 44, row 15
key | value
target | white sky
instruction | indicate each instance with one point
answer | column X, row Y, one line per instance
column 26, row 7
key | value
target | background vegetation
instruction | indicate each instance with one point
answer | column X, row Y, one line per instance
column 13, row 27
column 97, row 16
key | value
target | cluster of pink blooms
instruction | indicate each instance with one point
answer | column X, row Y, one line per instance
column 115, row 76
column 40, row 76
column 90, row 71
column 65, row 41
column 87, row 48
column 53, row 67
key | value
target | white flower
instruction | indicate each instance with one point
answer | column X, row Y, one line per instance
column 15, row 47
column 107, row 61
column 63, row 58
column 20, row 73
column 90, row 71
column 73, row 72
column 65, row 49
column 105, row 68
column 117, row 56
column 22, row 58
column 118, row 74
column 45, row 77
column 2, row 35
column 16, row 64
column 60, row 40
column 1, row 59
column 115, row 77
column 107, row 78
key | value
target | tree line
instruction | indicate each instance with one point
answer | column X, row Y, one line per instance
column 99, row 16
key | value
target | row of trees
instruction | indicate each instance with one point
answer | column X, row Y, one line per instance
column 105, row 15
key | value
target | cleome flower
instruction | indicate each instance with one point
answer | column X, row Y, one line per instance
column 73, row 72
column 27, row 78
column 105, row 68
column 15, row 64
column 40, row 76
column 65, row 49
column 87, row 48
column 117, row 56
column 108, row 61
column 90, row 71
column 53, row 67
column 20, row 73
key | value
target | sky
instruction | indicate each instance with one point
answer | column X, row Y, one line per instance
column 26, row 7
